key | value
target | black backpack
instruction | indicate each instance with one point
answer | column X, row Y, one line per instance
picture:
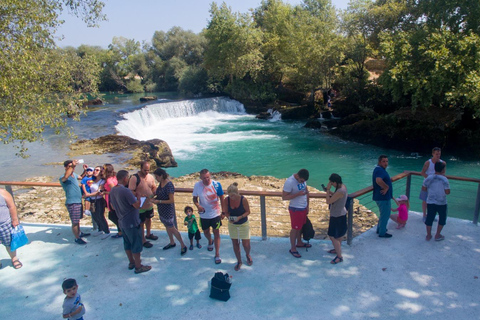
column 220, row 287
column 308, row 231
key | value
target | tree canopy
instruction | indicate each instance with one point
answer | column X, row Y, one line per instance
column 39, row 84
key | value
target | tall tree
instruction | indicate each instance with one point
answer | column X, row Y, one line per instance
column 233, row 44
column 37, row 82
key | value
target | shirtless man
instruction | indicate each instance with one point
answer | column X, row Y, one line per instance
column 429, row 169
column 142, row 184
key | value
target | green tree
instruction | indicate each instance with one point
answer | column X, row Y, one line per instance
column 38, row 84
column 233, row 45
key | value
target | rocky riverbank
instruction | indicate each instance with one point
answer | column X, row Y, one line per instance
column 46, row 205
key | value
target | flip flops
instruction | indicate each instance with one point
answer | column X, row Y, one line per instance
column 183, row 251
column 304, row 245
column 131, row 266
column 169, row 246
column 237, row 266
column 249, row 261
column 439, row 238
column 295, row 254
column 332, row 251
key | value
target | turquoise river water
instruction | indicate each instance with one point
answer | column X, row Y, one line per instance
column 217, row 134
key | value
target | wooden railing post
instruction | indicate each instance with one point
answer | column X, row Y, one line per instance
column 350, row 220
column 263, row 215
column 477, row 206
column 408, row 187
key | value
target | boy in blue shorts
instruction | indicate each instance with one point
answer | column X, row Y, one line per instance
column 193, row 231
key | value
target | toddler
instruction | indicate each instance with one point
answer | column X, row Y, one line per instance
column 402, row 216
column 73, row 307
column 193, row 231
column 86, row 183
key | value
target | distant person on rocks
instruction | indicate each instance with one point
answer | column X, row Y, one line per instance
column 382, row 194
column 73, row 307
column 237, row 208
column 295, row 189
column 427, row 170
column 207, row 194
column 143, row 182
column 192, row 226
column 402, row 208
column 71, row 185
column 438, row 188
column 165, row 201
column 337, row 226
column 126, row 206
column 8, row 221
column 110, row 182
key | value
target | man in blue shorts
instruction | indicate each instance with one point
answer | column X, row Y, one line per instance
column 382, row 194
column 206, row 196
column 73, row 193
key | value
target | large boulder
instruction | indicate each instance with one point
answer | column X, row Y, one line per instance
column 157, row 151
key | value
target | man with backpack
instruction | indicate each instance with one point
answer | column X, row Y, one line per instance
column 295, row 190
column 143, row 184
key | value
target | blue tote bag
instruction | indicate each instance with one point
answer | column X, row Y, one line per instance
column 19, row 238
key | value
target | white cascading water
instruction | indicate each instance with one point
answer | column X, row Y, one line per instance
column 189, row 125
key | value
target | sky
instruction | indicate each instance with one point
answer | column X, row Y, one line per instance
column 141, row 18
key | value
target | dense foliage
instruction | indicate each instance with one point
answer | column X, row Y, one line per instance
column 427, row 52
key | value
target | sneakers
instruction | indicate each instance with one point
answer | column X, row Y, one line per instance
column 98, row 233
column 105, row 236
column 151, row 236
column 386, row 235
column 80, row 241
column 84, row 234
column 147, row 245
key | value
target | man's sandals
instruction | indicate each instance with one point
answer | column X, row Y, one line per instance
column 17, row 264
column 336, row 260
column 295, row 254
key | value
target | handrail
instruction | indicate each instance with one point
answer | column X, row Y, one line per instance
column 262, row 194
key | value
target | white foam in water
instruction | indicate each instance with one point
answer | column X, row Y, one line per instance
column 189, row 125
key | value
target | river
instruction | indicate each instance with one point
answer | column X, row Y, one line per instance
column 217, row 134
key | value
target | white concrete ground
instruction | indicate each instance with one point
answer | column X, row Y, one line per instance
column 404, row 277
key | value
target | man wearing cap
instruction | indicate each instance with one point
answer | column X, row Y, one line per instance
column 69, row 182
column 382, row 194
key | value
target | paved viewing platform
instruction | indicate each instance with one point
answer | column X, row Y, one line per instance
column 404, row 277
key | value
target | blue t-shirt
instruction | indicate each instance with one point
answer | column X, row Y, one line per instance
column 85, row 182
column 380, row 172
column 72, row 189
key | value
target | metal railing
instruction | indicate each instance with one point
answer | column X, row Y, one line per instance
column 259, row 200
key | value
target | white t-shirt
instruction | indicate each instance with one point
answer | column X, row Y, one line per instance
column 208, row 198
column 293, row 186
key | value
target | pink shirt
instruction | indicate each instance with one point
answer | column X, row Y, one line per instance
column 403, row 212
column 108, row 189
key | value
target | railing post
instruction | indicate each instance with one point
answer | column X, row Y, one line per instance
column 350, row 220
column 477, row 206
column 409, row 184
column 263, row 215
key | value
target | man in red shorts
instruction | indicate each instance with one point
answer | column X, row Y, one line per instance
column 295, row 190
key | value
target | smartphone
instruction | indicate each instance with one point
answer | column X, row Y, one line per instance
column 324, row 188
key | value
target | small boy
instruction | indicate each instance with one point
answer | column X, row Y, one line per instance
column 86, row 182
column 193, row 231
column 438, row 188
column 73, row 307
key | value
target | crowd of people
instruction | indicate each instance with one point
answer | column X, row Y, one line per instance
column 130, row 200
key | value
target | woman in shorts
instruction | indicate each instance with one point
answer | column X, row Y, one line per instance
column 8, row 221
column 237, row 211
column 338, row 215
column 165, row 201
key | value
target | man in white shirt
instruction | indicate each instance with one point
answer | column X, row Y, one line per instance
column 295, row 190
column 206, row 196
